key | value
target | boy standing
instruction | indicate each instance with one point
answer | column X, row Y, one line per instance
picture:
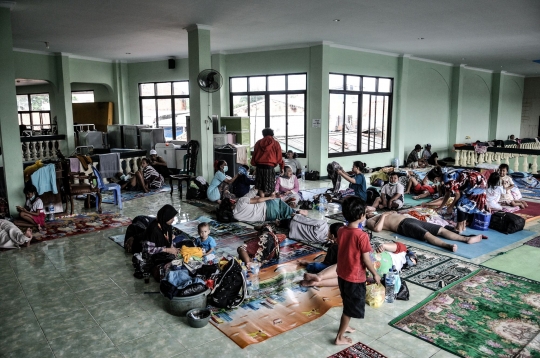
column 205, row 241
column 353, row 259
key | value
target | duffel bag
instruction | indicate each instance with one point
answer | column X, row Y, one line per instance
column 507, row 223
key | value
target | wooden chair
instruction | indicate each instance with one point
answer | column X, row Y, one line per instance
column 190, row 167
column 77, row 186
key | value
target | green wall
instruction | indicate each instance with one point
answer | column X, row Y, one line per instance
column 102, row 93
column 476, row 106
column 510, row 104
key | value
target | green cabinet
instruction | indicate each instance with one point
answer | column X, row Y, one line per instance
column 235, row 124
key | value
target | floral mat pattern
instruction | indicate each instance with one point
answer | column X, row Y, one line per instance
column 80, row 224
column 443, row 274
column 473, row 318
column 358, row 350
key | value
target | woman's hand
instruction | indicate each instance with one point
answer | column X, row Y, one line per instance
column 171, row 250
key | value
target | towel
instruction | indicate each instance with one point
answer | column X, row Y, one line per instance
column 74, row 165
column 44, row 179
column 109, row 164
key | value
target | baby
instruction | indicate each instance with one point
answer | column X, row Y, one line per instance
column 205, row 241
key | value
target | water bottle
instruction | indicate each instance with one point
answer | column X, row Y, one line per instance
column 255, row 283
column 244, row 271
column 389, row 283
column 322, row 203
column 304, row 173
column 51, row 211
column 397, row 280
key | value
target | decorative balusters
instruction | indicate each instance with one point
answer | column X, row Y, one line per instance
column 516, row 163
column 458, row 154
column 481, row 158
column 525, row 164
column 534, row 168
column 39, row 149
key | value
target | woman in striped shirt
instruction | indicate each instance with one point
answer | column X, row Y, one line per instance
column 149, row 178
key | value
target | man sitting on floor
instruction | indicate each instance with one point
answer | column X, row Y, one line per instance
column 391, row 194
column 408, row 226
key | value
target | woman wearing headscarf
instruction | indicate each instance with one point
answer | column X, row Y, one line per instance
column 266, row 155
column 159, row 234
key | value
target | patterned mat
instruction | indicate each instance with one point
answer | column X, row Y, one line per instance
column 278, row 306
column 534, row 242
column 205, row 206
column 484, row 314
column 80, row 224
column 118, row 239
column 443, row 274
column 358, row 350
column 528, row 189
column 108, row 198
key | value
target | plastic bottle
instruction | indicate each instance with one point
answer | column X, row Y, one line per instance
column 389, row 283
column 51, row 211
column 244, row 271
column 322, row 203
column 304, row 173
column 397, row 280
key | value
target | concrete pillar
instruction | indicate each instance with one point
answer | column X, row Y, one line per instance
column 456, row 106
column 121, row 110
column 401, row 107
column 63, row 102
column 200, row 102
column 496, row 102
column 9, row 123
column 318, row 90
column 220, row 99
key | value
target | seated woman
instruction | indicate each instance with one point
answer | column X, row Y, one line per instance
column 287, row 186
column 158, row 237
column 394, row 253
column 291, row 161
column 243, row 182
column 263, row 248
column 147, row 178
column 358, row 182
column 135, row 233
column 254, row 208
column 422, row 189
column 219, row 186
column 12, row 237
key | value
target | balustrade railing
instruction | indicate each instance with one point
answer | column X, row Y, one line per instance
column 523, row 159
column 41, row 147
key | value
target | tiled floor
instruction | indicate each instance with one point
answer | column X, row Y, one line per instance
column 76, row 297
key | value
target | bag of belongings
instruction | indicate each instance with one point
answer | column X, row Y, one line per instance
column 230, row 287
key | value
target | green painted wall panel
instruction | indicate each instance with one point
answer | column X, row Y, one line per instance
column 268, row 62
column 35, row 66
column 476, row 106
column 509, row 120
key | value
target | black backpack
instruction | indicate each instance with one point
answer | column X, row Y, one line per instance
column 507, row 223
column 230, row 287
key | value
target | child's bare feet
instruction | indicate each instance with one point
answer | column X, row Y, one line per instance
column 454, row 248
column 311, row 277
column 350, row 330
column 343, row 340
column 302, row 263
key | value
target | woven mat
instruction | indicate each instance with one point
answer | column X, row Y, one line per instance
column 443, row 274
column 358, row 350
column 534, row 242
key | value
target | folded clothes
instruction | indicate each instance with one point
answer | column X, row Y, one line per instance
column 187, row 252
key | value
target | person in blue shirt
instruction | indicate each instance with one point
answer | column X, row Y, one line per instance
column 220, row 184
column 358, row 182
column 207, row 242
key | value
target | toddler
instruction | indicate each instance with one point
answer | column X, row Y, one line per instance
column 508, row 184
column 33, row 211
column 205, row 241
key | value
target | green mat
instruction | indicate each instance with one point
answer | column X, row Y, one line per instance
column 522, row 261
column 410, row 201
column 486, row 314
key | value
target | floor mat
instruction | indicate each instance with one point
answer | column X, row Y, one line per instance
column 108, row 198
column 530, row 213
column 526, row 190
column 513, row 262
column 338, row 217
column 411, row 202
column 534, row 242
column 472, row 317
column 80, row 224
column 309, row 194
column 496, row 241
column 358, row 350
column 118, row 239
column 442, row 275
column 205, row 206
column 281, row 305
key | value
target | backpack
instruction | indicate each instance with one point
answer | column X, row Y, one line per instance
column 193, row 193
column 230, row 287
column 307, row 229
column 507, row 223
column 203, row 187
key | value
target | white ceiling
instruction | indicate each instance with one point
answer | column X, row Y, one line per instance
column 480, row 33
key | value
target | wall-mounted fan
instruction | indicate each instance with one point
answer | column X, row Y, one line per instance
column 210, row 80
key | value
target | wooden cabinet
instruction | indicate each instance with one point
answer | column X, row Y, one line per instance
column 98, row 113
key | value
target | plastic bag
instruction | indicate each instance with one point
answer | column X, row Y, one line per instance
column 375, row 295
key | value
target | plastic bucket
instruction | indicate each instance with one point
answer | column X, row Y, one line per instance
column 179, row 306
column 198, row 318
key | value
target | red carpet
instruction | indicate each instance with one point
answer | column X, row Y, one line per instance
column 530, row 213
column 358, row 350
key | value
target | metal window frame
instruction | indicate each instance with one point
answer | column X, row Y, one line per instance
column 30, row 111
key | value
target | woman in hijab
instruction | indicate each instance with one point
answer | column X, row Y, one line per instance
column 159, row 234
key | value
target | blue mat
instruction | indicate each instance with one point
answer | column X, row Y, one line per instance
column 496, row 241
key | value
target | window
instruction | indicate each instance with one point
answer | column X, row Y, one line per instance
column 34, row 111
column 359, row 116
column 165, row 105
column 275, row 101
column 82, row 97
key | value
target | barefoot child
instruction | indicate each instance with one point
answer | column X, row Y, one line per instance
column 353, row 259
column 331, row 254
column 33, row 211
column 205, row 241
column 508, row 184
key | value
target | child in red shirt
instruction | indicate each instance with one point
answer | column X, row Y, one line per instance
column 353, row 259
